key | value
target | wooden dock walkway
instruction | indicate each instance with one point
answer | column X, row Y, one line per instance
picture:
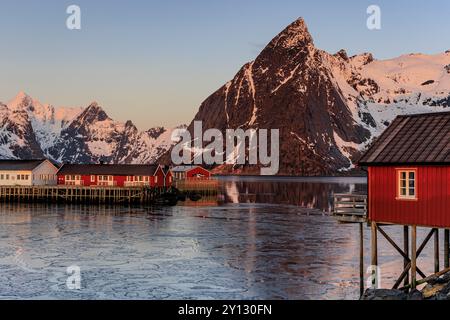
column 353, row 208
column 350, row 208
column 204, row 187
column 79, row 194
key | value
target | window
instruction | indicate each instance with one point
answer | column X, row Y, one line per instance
column 2, row 177
column 18, row 177
column 407, row 187
column 92, row 178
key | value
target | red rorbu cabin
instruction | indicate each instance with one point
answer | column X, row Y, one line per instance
column 191, row 173
column 105, row 175
column 168, row 176
column 409, row 172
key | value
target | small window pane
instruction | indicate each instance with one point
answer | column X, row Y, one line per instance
column 412, row 176
column 403, row 191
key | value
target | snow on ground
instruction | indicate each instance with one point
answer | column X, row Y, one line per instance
column 411, row 73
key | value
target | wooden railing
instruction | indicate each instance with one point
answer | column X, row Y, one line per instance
column 137, row 184
column 197, row 184
column 74, row 183
column 350, row 207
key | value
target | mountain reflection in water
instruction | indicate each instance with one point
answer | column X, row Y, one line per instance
column 312, row 193
column 253, row 241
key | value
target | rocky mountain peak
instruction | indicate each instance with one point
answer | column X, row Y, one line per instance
column 94, row 113
column 361, row 60
column 21, row 101
column 294, row 35
column 129, row 124
column 156, row 132
column 342, row 54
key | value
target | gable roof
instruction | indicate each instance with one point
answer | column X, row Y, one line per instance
column 183, row 168
column 109, row 169
column 186, row 168
column 415, row 139
column 20, row 165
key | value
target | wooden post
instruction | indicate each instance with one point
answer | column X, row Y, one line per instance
column 414, row 257
column 446, row 248
column 406, row 250
column 374, row 239
column 436, row 251
column 361, row 259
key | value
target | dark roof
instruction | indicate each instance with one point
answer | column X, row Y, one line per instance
column 415, row 139
column 184, row 168
column 19, row 165
column 108, row 169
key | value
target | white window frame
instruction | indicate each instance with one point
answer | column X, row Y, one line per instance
column 405, row 187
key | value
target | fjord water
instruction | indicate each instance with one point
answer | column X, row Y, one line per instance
column 261, row 238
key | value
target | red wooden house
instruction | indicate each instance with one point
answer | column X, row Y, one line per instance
column 409, row 172
column 105, row 175
column 191, row 173
column 168, row 176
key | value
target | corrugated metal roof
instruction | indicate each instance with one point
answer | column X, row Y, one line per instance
column 414, row 139
column 19, row 165
column 108, row 169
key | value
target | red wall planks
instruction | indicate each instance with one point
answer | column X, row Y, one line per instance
column 432, row 207
column 198, row 171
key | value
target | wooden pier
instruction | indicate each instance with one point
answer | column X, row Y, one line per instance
column 79, row 194
column 352, row 208
column 204, row 187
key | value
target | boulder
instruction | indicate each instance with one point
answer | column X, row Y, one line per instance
column 384, row 294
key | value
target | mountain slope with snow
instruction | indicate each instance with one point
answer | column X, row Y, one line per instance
column 30, row 130
column 328, row 107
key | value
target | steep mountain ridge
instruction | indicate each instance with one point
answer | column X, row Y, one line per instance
column 30, row 129
column 328, row 107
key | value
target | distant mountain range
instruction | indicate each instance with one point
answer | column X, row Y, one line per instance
column 328, row 107
column 31, row 130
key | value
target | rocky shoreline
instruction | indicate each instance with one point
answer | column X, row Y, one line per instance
column 437, row 289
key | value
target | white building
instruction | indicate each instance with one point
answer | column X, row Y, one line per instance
column 27, row 173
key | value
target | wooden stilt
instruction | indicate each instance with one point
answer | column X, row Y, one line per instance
column 414, row 257
column 374, row 240
column 436, row 251
column 361, row 259
column 446, row 248
column 406, row 250
column 403, row 254
column 419, row 251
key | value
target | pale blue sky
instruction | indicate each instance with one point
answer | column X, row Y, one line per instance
column 154, row 62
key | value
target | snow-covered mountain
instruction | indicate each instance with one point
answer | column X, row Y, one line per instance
column 328, row 107
column 30, row 130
